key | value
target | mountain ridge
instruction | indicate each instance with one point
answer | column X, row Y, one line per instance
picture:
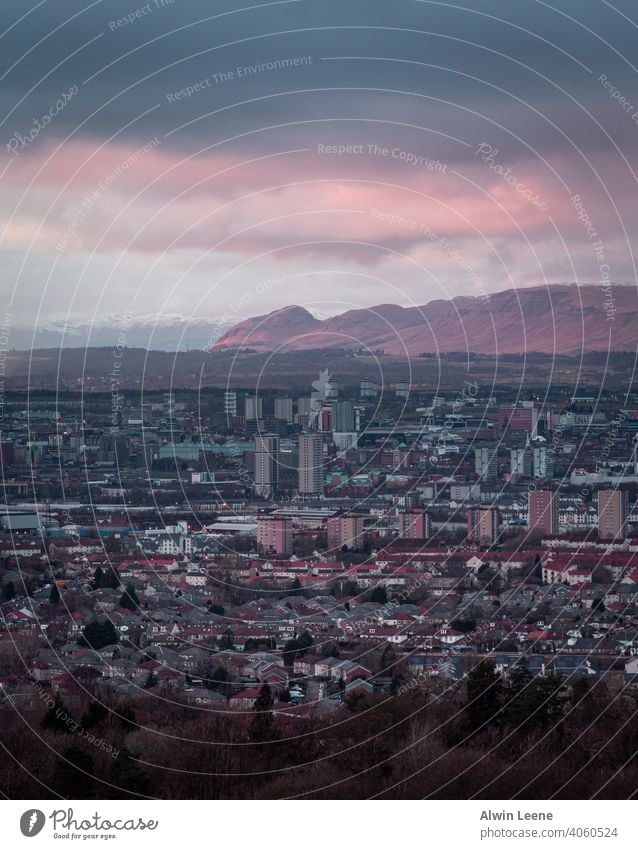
column 560, row 319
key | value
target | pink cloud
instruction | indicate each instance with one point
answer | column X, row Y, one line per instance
column 223, row 202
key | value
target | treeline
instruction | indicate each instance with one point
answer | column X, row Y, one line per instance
column 487, row 738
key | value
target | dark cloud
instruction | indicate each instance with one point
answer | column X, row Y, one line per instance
column 507, row 62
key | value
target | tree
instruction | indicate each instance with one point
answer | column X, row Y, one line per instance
column 94, row 714
column 226, row 641
column 532, row 703
column 126, row 715
column 97, row 634
column 73, row 774
column 484, row 696
column 262, row 724
column 518, row 695
column 464, row 624
column 379, row 595
column 388, row 659
column 297, row 647
column 215, row 608
column 54, row 595
column 129, row 599
column 329, row 650
column 219, row 678
column 548, row 710
column 151, row 680
column 111, row 579
column 98, row 579
column 304, row 642
column 57, row 716
column 127, row 779
column 289, row 652
column 9, row 591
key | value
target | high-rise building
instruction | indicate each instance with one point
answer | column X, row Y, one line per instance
column 521, row 460
column 304, row 405
column 310, row 464
column 612, row 513
column 266, row 465
column 252, row 408
column 485, row 463
column 402, row 389
column 542, row 511
column 344, row 442
column 414, row 524
column 543, row 464
column 274, row 535
column 345, row 530
column 369, row 388
column 283, row 409
column 304, row 417
column 343, row 417
column 331, row 389
column 230, row 402
column 324, row 419
column 483, row 524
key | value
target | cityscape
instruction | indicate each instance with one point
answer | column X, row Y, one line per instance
column 318, row 418
column 268, row 562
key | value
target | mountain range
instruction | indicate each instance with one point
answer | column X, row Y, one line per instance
column 161, row 332
column 556, row 319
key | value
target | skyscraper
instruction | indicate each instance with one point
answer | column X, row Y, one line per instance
column 266, row 465
column 542, row 511
column 310, row 464
column 612, row 513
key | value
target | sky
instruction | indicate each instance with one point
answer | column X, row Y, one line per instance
column 223, row 159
